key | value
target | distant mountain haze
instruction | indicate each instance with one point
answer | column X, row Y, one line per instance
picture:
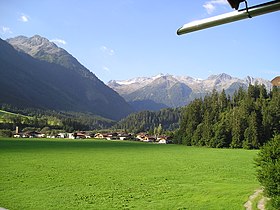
column 163, row 91
column 36, row 73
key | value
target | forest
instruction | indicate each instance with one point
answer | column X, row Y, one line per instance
column 247, row 120
column 148, row 121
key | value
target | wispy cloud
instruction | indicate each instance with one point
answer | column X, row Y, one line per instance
column 6, row 30
column 105, row 68
column 210, row 6
column 107, row 50
column 59, row 41
column 24, row 18
column 271, row 72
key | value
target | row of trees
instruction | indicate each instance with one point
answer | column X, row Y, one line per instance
column 248, row 119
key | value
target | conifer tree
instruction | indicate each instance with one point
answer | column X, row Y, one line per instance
column 268, row 173
column 251, row 136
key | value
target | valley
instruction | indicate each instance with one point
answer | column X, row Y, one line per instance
column 80, row 143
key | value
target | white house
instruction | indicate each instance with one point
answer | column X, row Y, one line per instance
column 62, row 135
column 162, row 141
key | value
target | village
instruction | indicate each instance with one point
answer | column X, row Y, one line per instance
column 121, row 136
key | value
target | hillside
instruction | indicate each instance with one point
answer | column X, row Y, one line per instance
column 163, row 91
column 53, row 79
column 51, row 121
column 145, row 121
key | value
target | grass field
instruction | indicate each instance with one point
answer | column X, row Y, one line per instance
column 94, row 174
column 2, row 112
column 5, row 113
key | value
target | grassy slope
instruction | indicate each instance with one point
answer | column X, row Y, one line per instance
column 2, row 112
column 61, row 174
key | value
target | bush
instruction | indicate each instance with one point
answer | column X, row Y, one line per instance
column 5, row 133
column 268, row 172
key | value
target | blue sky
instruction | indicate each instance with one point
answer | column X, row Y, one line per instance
column 122, row 39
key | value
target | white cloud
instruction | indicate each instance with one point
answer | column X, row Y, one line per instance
column 106, row 68
column 107, row 50
column 59, row 41
column 24, row 18
column 210, row 6
column 6, row 30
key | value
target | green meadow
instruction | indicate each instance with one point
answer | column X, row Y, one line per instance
column 94, row 174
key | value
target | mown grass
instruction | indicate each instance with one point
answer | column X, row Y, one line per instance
column 92, row 174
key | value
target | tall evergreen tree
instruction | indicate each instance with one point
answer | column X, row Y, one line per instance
column 237, row 135
column 207, row 132
column 251, row 140
column 222, row 136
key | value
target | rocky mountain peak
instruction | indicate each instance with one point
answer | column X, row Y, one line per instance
column 34, row 45
column 38, row 40
column 221, row 77
column 113, row 83
column 250, row 80
column 169, row 90
column 43, row 49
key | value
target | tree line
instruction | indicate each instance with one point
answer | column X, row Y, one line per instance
column 248, row 119
column 149, row 121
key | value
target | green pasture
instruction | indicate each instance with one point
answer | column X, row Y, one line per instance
column 6, row 116
column 94, row 174
column 2, row 112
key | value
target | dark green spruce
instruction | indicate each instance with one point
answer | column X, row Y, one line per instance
column 268, row 170
column 246, row 120
column 148, row 121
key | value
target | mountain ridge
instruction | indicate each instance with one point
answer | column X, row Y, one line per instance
column 41, row 48
column 133, row 90
column 47, row 81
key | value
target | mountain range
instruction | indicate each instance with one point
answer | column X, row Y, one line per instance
column 162, row 91
column 36, row 73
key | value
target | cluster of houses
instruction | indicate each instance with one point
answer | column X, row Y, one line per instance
column 31, row 134
column 161, row 139
column 144, row 137
column 35, row 134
